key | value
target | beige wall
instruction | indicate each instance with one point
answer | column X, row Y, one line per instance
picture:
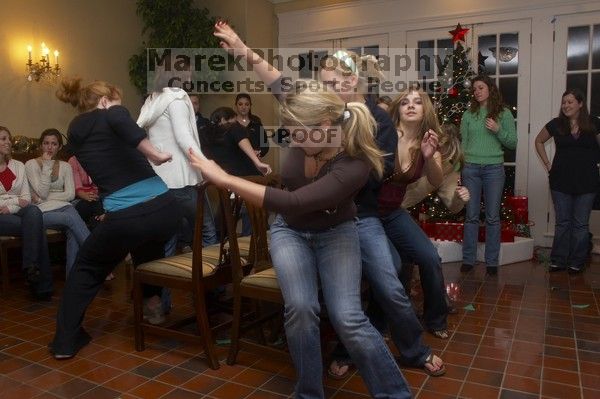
column 255, row 22
column 95, row 39
column 297, row 5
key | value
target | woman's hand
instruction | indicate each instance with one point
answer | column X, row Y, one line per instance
column 23, row 202
column 87, row 196
column 4, row 210
column 429, row 144
column 230, row 41
column 161, row 157
column 463, row 193
column 264, row 168
column 209, row 169
column 46, row 156
column 492, row 125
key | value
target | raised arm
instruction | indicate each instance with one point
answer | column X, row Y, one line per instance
column 231, row 42
column 39, row 178
column 245, row 146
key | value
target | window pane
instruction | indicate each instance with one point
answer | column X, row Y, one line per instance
column 486, row 44
column 508, row 55
column 596, row 48
column 577, row 81
column 595, row 100
column 508, row 88
column 304, row 63
column 445, row 48
column 426, row 62
column 371, row 50
column 578, row 48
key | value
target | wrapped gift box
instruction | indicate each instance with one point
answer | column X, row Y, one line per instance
column 449, row 251
column 507, row 234
column 510, row 252
column 449, row 231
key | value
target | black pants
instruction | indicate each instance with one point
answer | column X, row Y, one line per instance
column 141, row 230
column 88, row 210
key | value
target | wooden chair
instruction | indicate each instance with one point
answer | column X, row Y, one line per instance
column 11, row 242
column 202, row 270
column 260, row 285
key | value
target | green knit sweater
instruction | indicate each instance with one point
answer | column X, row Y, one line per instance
column 481, row 145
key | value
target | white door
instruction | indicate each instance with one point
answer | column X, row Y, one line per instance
column 577, row 65
column 505, row 53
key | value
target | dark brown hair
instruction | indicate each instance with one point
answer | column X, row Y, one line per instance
column 583, row 120
column 495, row 105
column 52, row 132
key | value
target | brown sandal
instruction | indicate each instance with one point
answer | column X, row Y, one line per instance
column 437, row 373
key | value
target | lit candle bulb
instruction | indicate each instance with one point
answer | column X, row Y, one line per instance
column 29, row 51
column 56, row 53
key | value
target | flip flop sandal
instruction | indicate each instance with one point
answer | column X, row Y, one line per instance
column 436, row 373
column 340, row 363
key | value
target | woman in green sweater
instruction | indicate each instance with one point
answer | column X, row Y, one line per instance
column 486, row 127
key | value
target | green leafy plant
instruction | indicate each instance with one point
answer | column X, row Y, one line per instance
column 169, row 24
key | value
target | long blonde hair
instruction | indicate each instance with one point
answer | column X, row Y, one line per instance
column 310, row 104
column 365, row 67
column 86, row 98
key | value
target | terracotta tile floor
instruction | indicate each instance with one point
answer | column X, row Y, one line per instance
column 524, row 334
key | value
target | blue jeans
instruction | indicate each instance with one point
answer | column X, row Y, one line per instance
column 413, row 245
column 302, row 259
column 380, row 266
column 186, row 201
column 490, row 179
column 571, row 232
column 68, row 220
column 28, row 223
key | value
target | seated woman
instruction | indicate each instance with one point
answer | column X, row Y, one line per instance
column 87, row 202
column 19, row 217
column 140, row 211
column 52, row 189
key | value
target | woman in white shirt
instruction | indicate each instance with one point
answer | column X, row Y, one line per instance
column 18, row 217
column 52, row 189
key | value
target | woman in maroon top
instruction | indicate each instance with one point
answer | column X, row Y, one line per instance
column 314, row 238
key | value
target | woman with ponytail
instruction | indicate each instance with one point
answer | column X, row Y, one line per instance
column 140, row 211
column 355, row 79
column 314, row 240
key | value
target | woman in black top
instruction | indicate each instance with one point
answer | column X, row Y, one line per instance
column 573, row 176
column 252, row 123
column 140, row 211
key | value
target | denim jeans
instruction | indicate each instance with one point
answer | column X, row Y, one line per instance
column 302, row 259
column 571, row 232
column 413, row 245
column 68, row 220
column 28, row 223
column 490, row 179
column 186, row 201
column 381, row 268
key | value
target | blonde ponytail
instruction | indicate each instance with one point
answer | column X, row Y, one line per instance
column 360, row 131
column 311, row 104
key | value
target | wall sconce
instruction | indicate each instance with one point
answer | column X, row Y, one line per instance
column 506, row 54
column 42, row 70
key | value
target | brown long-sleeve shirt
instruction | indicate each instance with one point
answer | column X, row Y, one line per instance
column 322, row 202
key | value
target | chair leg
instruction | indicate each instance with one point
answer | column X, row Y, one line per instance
column 138, row 313
column 235, row 329
column 205, row 330
column 5, row 270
